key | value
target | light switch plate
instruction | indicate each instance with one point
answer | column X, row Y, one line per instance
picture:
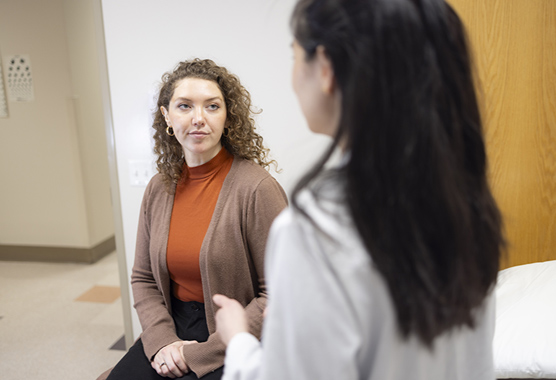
column 140, row 172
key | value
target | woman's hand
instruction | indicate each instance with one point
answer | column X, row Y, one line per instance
column 230, row 318
column 169, row 361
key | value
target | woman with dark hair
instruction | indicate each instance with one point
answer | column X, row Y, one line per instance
column 203, row 225
column 384, row 266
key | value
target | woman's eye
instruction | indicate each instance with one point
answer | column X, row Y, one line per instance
column 213, row 107
column 184, row 106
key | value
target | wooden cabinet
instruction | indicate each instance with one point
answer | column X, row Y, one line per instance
column 514, row 47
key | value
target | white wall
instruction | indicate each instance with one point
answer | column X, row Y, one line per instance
column 251, row 38
column 55, row 184
column 89, row 120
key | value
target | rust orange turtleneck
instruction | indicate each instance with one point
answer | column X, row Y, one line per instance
column 194, row 204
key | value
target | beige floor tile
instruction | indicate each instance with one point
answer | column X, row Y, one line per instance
column 110, row 314
column 44, row 333
column 102, row 294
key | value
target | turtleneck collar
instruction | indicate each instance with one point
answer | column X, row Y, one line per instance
column 208, row 168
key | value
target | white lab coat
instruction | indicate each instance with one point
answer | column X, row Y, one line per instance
column 330, row 315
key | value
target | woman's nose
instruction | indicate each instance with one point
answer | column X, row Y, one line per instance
column 199, row 117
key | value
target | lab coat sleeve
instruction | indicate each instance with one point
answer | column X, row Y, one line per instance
column 243, row 358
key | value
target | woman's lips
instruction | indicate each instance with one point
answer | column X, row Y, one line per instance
column 198, row 134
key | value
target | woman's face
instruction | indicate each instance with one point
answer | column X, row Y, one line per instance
column 197, row 114
column 314, row 84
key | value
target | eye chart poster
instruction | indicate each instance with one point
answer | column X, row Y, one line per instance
column 20, row 78
column 3, row 102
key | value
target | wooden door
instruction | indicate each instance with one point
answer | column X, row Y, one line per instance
column 514, row 46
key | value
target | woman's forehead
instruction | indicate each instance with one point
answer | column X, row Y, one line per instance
column 195, row 88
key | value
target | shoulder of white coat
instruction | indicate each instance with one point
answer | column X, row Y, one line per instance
column 327, row 224
column 286, row 219
column 292, row 230
column 326, row 209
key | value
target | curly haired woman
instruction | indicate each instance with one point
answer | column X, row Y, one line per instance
column 203, row 225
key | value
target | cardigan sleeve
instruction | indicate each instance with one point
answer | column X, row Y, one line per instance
column 156, row 321
column 263, row 205
column 266, row 203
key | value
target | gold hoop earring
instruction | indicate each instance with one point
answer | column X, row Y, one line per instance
column 170, row 131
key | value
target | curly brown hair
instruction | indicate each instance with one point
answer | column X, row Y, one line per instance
column 239, row 137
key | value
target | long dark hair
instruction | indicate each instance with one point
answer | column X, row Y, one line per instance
column 416, row 182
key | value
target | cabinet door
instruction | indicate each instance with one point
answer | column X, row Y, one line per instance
column 514, row 47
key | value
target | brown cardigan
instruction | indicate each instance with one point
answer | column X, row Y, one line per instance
column 231, row 259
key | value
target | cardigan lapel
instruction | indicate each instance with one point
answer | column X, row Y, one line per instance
column 159, row 258
column 203, row 255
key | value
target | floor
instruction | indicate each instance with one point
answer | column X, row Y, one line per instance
column 59, row 321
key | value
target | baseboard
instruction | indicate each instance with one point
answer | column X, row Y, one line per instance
column 58, row 254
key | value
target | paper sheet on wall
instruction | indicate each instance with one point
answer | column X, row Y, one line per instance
column 20, row 78
column 3, row 102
